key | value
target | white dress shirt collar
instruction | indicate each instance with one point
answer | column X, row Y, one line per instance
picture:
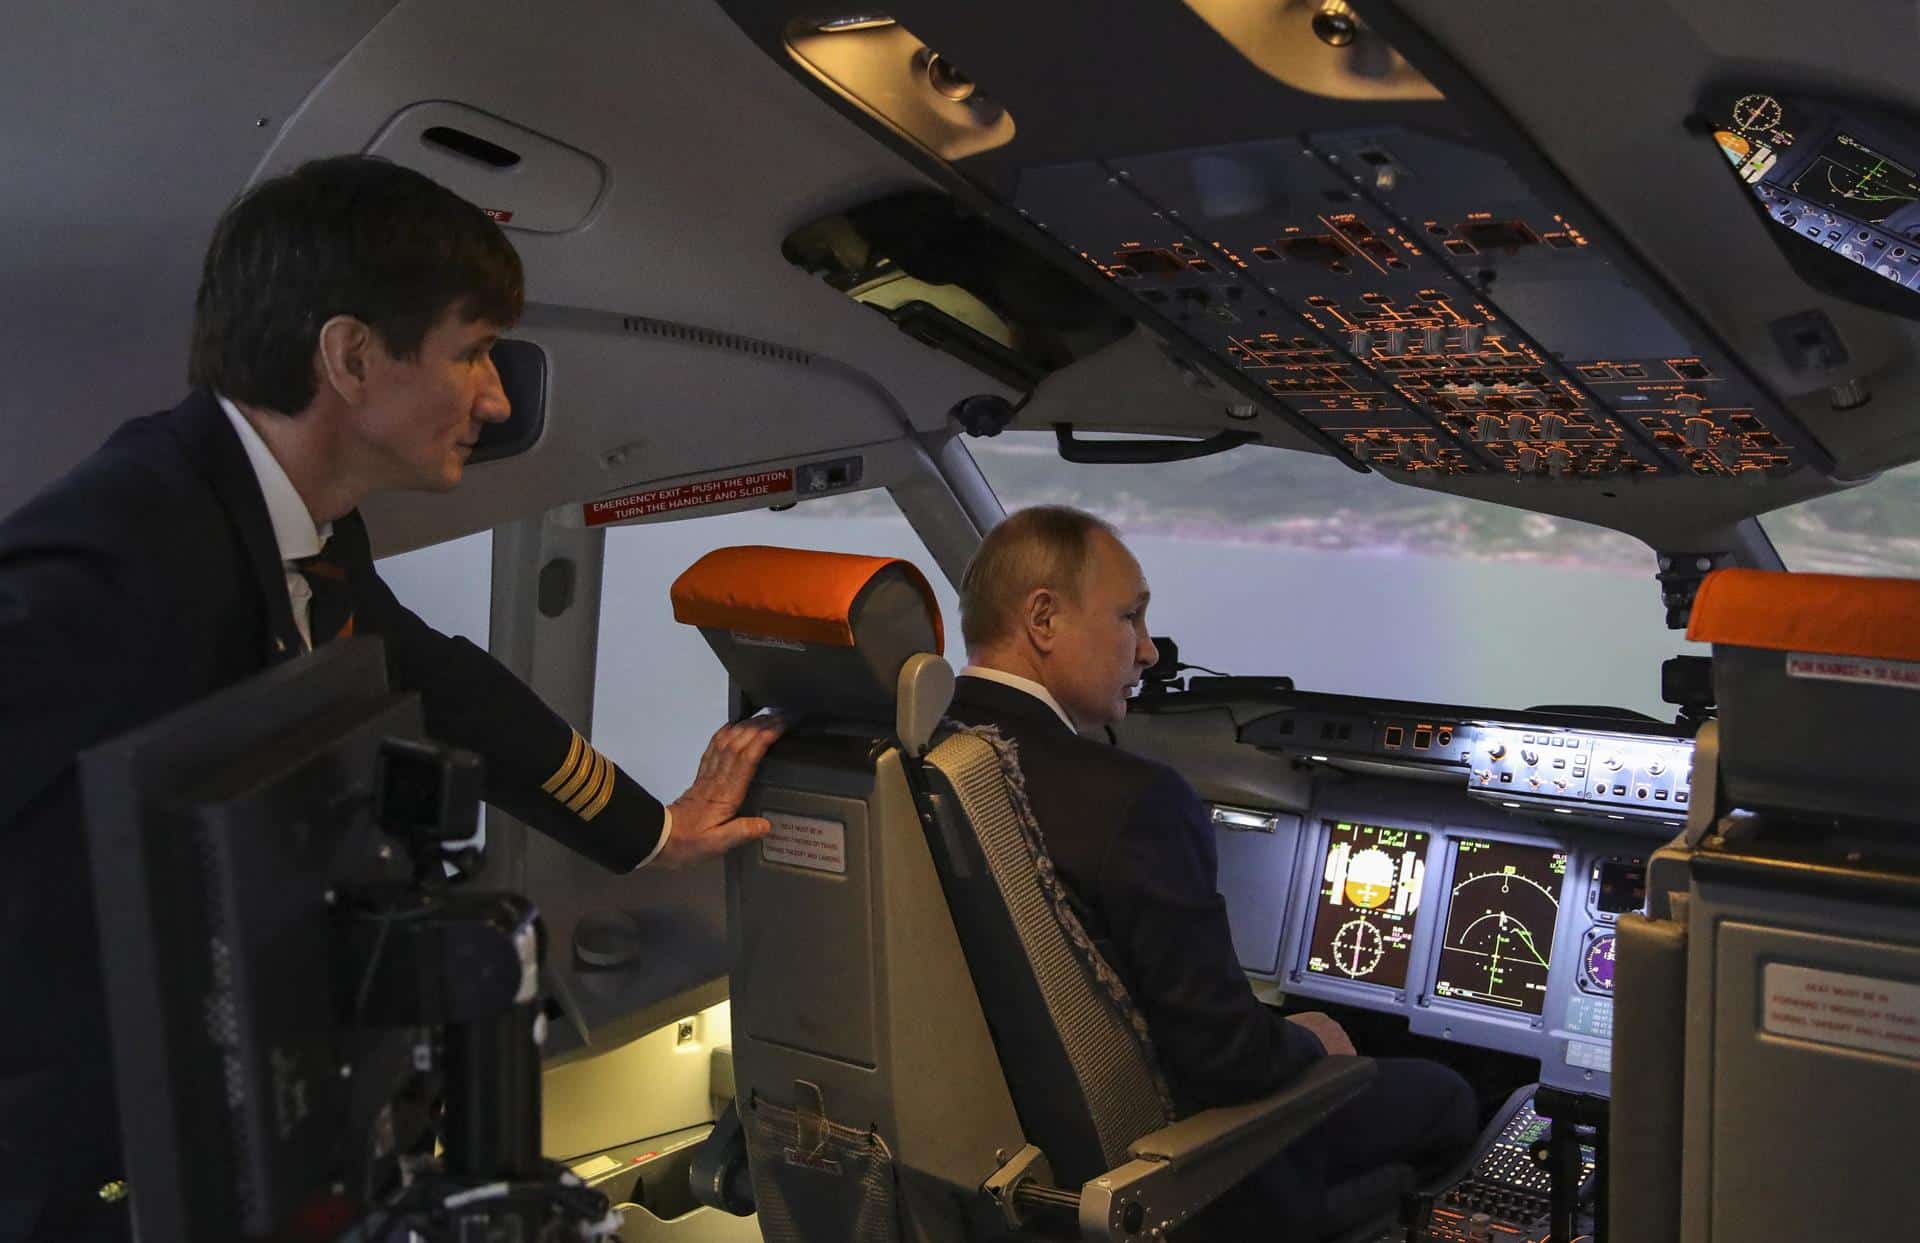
column 1018, row 683
column 293, row 527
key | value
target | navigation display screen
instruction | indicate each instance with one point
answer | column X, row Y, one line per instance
column 1501, row 916
column 1852, row 178
column 1369, row 893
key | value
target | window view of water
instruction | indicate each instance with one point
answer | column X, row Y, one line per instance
column 1261, row 562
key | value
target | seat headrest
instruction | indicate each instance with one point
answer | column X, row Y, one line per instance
column 811, row 632
column 1818, row 680
column 1829, row 614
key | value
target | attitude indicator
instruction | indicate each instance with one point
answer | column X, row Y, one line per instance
column 1369, row 892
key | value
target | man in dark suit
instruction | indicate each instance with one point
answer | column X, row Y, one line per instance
column 341, row 347
column 1053, row 609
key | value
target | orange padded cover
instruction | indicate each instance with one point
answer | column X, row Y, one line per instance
column 785, row 593
column 1832, row 614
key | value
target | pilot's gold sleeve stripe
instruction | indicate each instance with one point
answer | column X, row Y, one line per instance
column 596, row 773
column 598, row 803
column 588, row 767
column 564, row 773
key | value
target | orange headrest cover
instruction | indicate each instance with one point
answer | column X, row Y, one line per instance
column 1830, row 614
column 786, row 593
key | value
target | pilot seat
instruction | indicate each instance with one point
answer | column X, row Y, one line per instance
column 927, row 1046
column 1767, row 1025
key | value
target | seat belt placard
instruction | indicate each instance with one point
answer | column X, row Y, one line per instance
column 805, row 842
column 1852, row 1011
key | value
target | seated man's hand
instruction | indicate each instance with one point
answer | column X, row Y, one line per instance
column 704, row 823
column 1332, row 1037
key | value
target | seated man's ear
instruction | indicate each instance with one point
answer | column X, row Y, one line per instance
column 1041, row 617
column 341, row 359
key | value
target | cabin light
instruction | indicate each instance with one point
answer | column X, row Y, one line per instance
column 1564, row 811
column 857, row 21
column 1318, row 759
column 876, row 64
column 1512, row 805
column 1611, row 816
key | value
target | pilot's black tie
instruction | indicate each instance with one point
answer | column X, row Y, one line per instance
column 331, row 613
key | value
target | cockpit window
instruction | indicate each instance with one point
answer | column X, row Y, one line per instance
column 1871, row 529
column 1267, row 562
column 659, row 693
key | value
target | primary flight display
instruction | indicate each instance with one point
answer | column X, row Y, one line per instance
column 1369, row 894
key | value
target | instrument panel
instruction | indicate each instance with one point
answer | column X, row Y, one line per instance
column 1477, row 931
column 1410, row 296
column 1833, row 177
column 1593, row 772
column 1448, row 870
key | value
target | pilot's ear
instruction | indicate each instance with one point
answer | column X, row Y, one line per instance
column 341, row 358
column 1041, row 615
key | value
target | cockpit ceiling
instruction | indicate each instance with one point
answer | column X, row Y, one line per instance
column 1435, row 278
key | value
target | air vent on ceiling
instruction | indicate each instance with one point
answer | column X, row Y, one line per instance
column 717, row 340
column 522, row 179
column 474, row 147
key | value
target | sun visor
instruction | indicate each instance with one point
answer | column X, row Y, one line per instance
column 810, row 632
column 1818, row 681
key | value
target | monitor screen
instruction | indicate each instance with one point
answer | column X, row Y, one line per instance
column 1369, row 894
column 1854, row 179
column 1501, row 916
column 218, row 837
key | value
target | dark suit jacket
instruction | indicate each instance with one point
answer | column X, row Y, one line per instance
column 144, row 580
column 1135, row 848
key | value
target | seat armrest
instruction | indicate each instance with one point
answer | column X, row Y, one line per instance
column 1181, row 1168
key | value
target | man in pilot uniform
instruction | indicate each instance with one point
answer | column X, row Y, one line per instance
column 340, row 348
column 1053, row 610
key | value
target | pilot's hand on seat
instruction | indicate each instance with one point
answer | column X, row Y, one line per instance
column 704, row 823
column 1332, row 1037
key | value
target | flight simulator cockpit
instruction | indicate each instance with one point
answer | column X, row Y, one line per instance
column 1605, row 307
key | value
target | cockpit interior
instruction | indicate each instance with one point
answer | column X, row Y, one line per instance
column 1515, row 408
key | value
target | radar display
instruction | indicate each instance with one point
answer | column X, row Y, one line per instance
column 1369, row 893
column 1501, row 917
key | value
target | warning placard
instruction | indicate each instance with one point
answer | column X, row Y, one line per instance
column 803, row 842
column 1853, row 1011
column 1900, row 673
column 686, row 496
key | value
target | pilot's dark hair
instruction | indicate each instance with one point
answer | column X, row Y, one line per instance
column 350, row 235
column 1043, row 546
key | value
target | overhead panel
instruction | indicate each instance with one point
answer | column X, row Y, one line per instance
column 1377, row 254
column 1411, row 297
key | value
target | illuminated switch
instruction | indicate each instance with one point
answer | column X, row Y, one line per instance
column 1433, row 341
column 1396, row 341
column 1472, row 337
column 1360, row 343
